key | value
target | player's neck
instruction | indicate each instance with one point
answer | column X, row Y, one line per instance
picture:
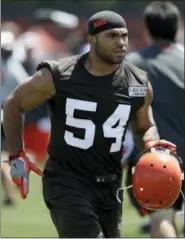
column 97, row 67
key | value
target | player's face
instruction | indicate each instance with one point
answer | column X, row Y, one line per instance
column 111, row 45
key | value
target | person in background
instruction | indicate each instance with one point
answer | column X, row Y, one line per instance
column 163, row 60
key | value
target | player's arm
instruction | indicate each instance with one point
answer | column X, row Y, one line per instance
column 143, row 124
column 25, row 97
column 144, row 127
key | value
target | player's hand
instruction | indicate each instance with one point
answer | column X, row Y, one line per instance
column 160, row 143
column 20, row 169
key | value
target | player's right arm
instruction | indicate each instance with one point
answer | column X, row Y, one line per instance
column 25, row 97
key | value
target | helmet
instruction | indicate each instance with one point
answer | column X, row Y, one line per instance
column 157, row 178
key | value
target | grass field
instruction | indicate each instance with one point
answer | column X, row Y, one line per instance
column 30, row 217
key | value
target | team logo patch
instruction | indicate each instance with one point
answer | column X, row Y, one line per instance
column 137, row 91
column 99, row 22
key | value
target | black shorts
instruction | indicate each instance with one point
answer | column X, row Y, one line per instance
column 79, row 210
column 142, row 211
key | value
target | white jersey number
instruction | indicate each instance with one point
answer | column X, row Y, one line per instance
column 119, row 118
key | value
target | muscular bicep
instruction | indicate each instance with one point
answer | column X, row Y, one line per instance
column 33, row 92
column 143, row 119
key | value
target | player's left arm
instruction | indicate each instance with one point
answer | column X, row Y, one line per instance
column 143, row 125
column 144, row 128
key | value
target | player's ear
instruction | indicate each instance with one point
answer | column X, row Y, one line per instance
column 91, row 39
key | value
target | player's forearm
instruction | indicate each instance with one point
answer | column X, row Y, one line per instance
column 13, row 126
column 142, row 137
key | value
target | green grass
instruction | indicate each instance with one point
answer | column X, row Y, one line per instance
column 30, row 217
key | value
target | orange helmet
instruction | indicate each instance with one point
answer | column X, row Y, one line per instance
column 157, row 178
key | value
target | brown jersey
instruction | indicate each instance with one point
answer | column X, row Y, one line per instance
column 89, row 116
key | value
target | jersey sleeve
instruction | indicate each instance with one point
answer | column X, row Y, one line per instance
column 58, row 68
column 53, row 67
column 142, row 83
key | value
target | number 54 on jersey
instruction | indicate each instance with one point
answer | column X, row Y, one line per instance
column 120, row 116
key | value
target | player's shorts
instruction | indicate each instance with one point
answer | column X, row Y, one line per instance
column 79, row 210
column 36, row 137
column 142, row 211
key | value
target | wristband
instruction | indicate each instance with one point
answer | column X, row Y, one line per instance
column 16, row 155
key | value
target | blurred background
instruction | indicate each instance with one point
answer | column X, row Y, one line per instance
column 32, row 31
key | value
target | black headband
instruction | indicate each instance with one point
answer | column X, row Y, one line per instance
column 105, row 20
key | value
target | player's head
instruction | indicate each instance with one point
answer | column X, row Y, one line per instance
column 162, row 20
column 108, row 36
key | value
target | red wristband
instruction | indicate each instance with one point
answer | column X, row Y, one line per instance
column 16, row 155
